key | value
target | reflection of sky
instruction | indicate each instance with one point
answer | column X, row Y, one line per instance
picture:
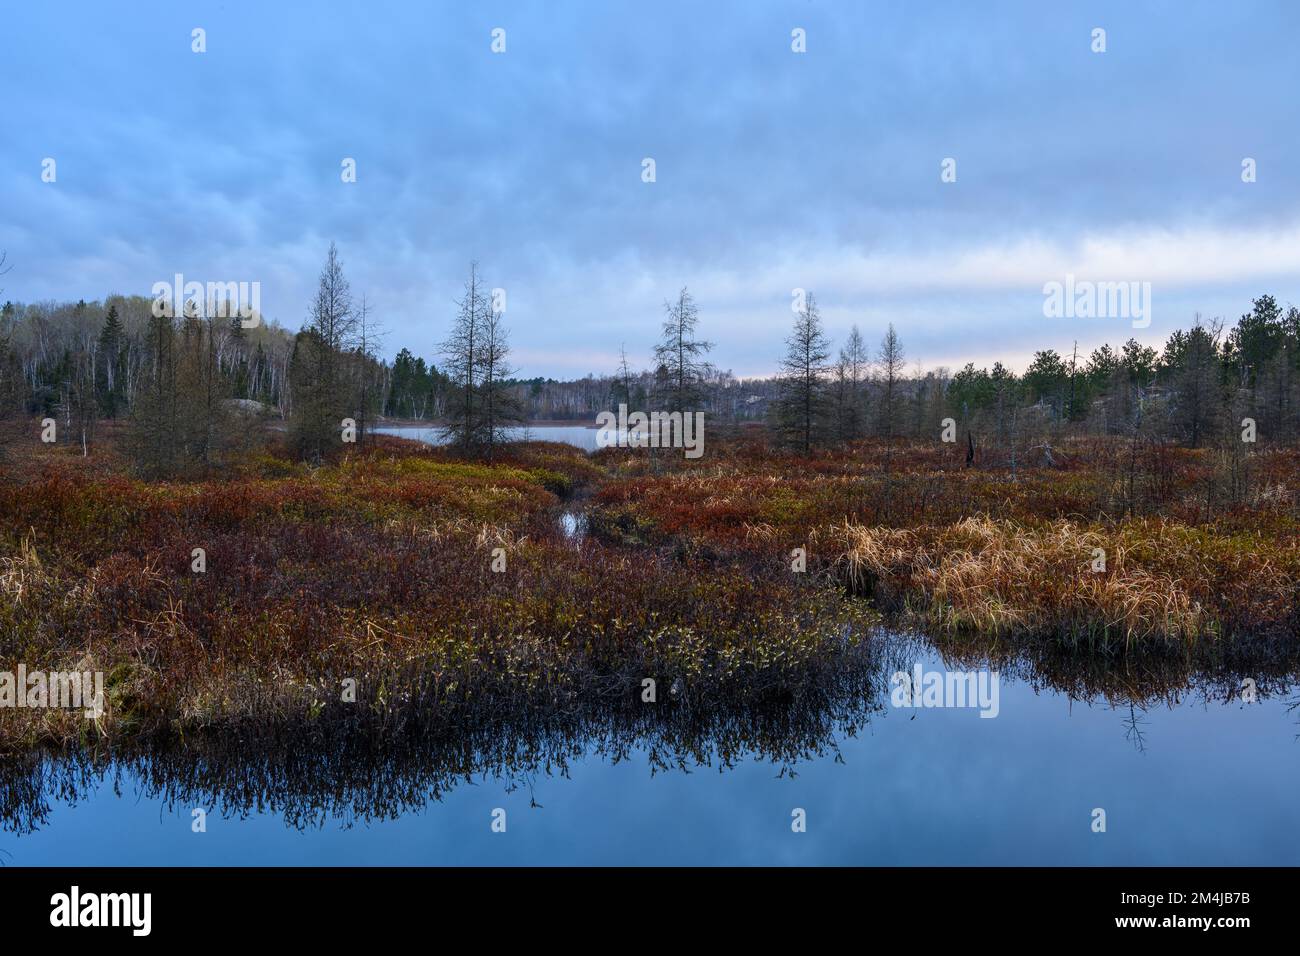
column 1215, row 786
column 775, row 170
column 579, row 436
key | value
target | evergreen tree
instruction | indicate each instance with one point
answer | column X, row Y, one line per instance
column 152, row 438
column 463, row 351
column 1193, row 359
column 801, row 404
column 111, row 371
column 679, row 357
column 321, row 397
column 891, row 376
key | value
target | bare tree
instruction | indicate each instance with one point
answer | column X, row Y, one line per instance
column 623, row 382
column 464, row 363
column 853, row 368
column 9, row 383
column 368, row 338
column 83, row 398
column 498, row 407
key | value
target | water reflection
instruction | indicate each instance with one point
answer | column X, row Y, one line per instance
column 348, row 773
column 354, row 771
column 579, row 435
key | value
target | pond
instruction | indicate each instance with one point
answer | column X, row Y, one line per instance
column 1186, row 771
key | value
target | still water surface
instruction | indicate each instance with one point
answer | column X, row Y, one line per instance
column 577, row 435
column 1188, row 780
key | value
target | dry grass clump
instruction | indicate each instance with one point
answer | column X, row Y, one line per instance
column 986, row 548
column 1161, row 580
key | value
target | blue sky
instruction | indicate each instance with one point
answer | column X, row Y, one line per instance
column 775, row 170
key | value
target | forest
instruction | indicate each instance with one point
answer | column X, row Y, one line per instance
column 184, row 385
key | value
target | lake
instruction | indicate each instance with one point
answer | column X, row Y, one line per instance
column 578, row 436
column 1186, row 777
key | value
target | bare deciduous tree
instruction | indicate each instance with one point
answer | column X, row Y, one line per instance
column 463, row 361
column 851, row 372
column 498, row 406
column 369, row 337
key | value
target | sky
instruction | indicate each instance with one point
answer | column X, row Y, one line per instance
column 774, row 170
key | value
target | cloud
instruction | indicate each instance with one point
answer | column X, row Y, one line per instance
column 775, row 169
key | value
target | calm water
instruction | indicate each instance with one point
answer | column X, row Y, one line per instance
column 577, row 435
column 1187, row 780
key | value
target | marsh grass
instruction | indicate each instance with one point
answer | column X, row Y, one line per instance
column 1162, row 581
column 376, row 568
column 951, row 549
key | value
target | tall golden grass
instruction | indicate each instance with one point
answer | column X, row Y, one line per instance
column 1008, row 578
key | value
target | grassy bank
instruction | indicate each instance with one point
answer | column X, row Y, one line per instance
column 447, row 587
column 1084, row 551
column 378, row 569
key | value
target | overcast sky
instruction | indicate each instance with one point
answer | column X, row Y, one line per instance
column 775, row 170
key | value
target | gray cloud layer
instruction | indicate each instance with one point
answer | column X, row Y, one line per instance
column 775, row 169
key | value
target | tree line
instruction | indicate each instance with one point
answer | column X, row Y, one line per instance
column 1200, row 389
column 186, row 386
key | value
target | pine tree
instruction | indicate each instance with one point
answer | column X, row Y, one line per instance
column 151, row 438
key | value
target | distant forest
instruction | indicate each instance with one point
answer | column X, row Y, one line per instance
column 186, row 383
